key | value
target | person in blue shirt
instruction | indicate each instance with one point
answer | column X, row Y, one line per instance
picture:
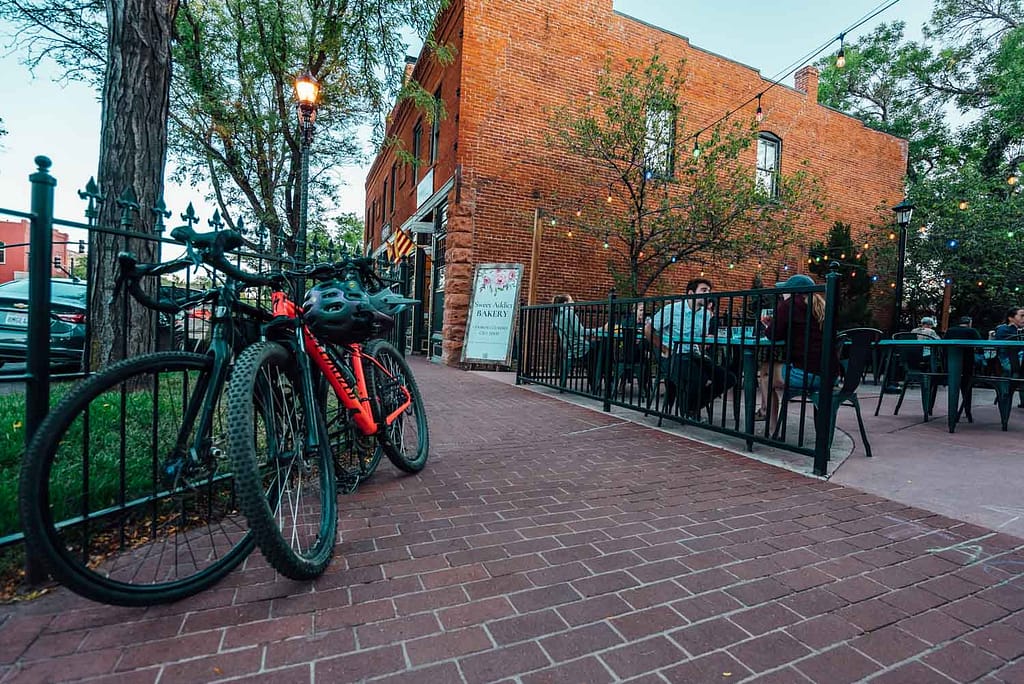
column 696, row 377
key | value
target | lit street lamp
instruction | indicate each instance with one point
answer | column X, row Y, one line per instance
column 307, row 93
column 903, row 212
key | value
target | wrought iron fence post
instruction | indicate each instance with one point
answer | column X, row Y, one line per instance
column 37, row 361
column 609, row 349
column 823, row 426
column 37, row 366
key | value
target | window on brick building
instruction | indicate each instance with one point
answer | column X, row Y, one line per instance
column 383, row 201
column 417, row 136
column 391, row 197
column 435, row 127
column 769, row 151
column 660, row 143
column 3, row 253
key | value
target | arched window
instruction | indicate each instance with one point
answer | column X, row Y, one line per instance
column 769, row 154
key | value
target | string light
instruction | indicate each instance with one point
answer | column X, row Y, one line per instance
column 841, row 56
column 696, row 146
column 569, row 234
column 759, row 115
column 953, row 243
column 579, row 212
column 1012, row 179
column 981, row 283
column 962, row 205
column 892, row 236
column 866, row 245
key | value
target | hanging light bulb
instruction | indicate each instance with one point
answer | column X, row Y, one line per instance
column 892, row 236
column 605, row 245
column 981, row 284
column 554, row 221
column 732, row 265
column 962, row 205
column 609, row 198
column 702, row 274
column 759, row 115
column 866, row 245
column 1012, row 179
column 579, row 212
column 841, row 56
column 569, row 234
column 674, row 259
column 785, row 267
column 810, row 260
column 696, row 146
column 843, row 255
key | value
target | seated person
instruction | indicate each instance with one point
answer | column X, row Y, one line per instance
column 926, row 331
column 964, row 331
column 798, row 319
column 1013, row 327
column 684, row 364
column 576, row 340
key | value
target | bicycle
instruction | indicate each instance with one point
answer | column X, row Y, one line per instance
column 312, row 399
column 126, row 493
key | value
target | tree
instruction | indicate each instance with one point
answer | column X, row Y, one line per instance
column 234, row 117
column 855, row 278
column 665, row 205
column 234, row 123
column 958, row 97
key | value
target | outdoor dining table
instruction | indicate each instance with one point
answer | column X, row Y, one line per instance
column 954, row 364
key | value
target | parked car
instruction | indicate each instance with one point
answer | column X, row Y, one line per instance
column 68, row 307
column 67, row 324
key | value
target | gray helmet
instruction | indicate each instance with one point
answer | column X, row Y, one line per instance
column 342, row 312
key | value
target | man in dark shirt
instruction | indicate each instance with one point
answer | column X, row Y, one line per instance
column 964, row 331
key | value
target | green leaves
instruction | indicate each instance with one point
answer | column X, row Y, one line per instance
column 666, row 205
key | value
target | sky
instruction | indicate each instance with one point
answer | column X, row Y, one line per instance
column 62, row 121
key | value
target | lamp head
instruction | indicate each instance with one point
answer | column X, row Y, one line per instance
column 307, row 90
column 904, row 210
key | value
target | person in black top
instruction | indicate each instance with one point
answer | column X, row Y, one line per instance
column 798, row 319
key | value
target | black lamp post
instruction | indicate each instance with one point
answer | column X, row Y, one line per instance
column 307, row 93
column 903, row 212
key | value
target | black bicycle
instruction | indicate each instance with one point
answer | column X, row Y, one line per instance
column 127, row 492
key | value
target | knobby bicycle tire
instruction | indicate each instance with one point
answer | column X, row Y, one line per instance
column 407, row 440
column 287, row 495
column 104, row 496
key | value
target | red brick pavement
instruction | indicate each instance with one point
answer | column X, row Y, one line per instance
column 549, row 543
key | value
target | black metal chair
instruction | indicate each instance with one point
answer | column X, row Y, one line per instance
column 857, row 345
column 1010, row 382
column 920, row 365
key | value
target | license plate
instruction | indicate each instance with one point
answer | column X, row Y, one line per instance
column 17, row 319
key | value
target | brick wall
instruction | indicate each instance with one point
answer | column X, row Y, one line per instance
column 519, row 60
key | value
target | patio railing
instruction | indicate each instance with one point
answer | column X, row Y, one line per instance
column 605, row 350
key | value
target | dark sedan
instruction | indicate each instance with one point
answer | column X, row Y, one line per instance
column 67, row 324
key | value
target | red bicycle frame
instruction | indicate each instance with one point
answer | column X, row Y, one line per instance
column 356, row 398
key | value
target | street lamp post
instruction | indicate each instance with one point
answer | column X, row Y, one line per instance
column 307, row 93
column 903, row 212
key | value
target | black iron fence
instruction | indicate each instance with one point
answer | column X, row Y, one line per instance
column 725, row 361
column 50, row 360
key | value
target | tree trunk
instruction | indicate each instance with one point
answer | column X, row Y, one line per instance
column 133, row 149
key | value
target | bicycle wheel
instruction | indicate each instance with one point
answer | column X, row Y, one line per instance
column 356, row 456
column 110, row 498
column 406, row 441
column 286, row 492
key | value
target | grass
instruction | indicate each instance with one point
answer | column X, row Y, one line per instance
column 127, row 445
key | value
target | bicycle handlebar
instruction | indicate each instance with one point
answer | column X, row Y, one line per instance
column 211, row 247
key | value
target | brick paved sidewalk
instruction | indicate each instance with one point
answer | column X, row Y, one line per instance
column 549, row 543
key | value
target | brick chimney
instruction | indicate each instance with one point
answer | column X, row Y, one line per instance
column 410, row 64
column 807, row 81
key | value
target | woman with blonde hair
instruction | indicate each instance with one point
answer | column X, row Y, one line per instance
column 798, row 319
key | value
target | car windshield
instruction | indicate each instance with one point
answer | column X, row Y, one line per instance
column 18, row 289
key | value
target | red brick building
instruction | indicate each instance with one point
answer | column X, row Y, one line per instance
column 14, row 251
column 485, row 168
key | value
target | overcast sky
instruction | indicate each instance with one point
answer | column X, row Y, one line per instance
column 62, row 121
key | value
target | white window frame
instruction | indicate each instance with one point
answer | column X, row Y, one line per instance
column 659, row 144
column 769, row 159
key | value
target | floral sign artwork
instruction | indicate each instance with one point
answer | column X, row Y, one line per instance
column 492, row 313
column 499, row 280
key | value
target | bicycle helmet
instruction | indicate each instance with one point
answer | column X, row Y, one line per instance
column 341, row 312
